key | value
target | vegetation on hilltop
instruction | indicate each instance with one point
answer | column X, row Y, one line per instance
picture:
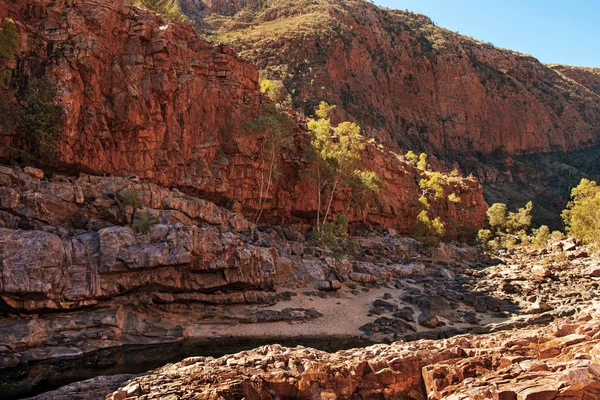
column 168, row 9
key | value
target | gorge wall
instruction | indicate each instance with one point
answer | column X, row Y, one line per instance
column 149, row 98
column 416, row 85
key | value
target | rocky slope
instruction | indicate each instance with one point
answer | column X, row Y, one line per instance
column 179, row 119
column 588, row 77
column 75, row 278
column 557, row 361
column 413, row 83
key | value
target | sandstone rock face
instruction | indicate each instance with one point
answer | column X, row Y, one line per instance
column 154, row 100
column 416, row 85
column 557, row 361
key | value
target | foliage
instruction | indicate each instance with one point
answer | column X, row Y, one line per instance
column 507, row 229
column 334, row 236
column 276, row 91
column 143, row 223
column 129, row 197
column 411, row 158
column 432, row 187
column 429, row 230
column 334, row 157
column 484, row 236
column 39, row 122
column 452, row 197
column 582, row 215
column 422, row 163
column 540, row 237
column 521, row 220
column 9, row 41
column 168, row 9
column 496, row 215
column 499, row 220
column 277, row 130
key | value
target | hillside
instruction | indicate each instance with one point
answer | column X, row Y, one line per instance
column 414, row 85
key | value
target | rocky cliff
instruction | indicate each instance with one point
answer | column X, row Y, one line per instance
column 149, row 98
column 412, row 83
column 558, row 361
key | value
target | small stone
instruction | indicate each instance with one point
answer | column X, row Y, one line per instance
column 34, row 172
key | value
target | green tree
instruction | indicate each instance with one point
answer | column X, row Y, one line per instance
column 496, row 215
column 334, row 157
column 168, row 9
column 422, row 163
column 521, row 220
column 9, row 42
column 39, row 122
column 334, row 236
column 276, row 91
column 582, row 215
column 429, row 229
column 277, row 129
column 411, row 158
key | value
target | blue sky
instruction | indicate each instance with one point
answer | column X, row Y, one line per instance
column 553, row 31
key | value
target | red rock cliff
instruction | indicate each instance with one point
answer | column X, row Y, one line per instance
column 416, row 85
column 146, row 97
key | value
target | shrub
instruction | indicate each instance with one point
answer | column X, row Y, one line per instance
column 428, row 230
column 540, row 236
column 452, row 197
column 582, row 215
column 501, row 221
column 168, row 9
column 129, row 197
column 276, row 91
column 412, row 158
column 484, row 236
column 506, row 229
column 496, row 215
column 422, row 163
column 39, row 122
column 9, row 41
column 143, row 223
column 334, row 236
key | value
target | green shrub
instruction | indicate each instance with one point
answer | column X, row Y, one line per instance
column 129, row 197
column 276, row 91
column 540, row 237
column 411, row 158
column 9, row 42
column 428, row 230
column 422, row 163
column 39, row 122
column 143, row 223
column 582, row 215
column 334, row 236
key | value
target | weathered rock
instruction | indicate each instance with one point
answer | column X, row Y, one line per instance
column 503, row 365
